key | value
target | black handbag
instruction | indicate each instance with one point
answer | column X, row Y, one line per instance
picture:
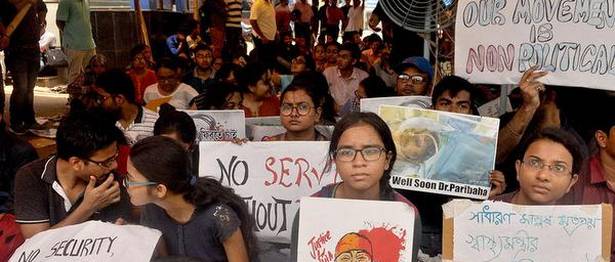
column 55, row 57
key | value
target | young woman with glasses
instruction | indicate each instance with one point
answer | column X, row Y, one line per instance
column 302, row 107
column 198, row 217
column 364, row 153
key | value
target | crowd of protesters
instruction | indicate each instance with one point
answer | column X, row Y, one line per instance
column 124, row 146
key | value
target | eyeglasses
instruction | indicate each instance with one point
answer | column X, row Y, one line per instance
column 101, row 99
column 413, row 79
column 537, row 164
column 169, row 80
column 302, row 108
column 107, row 163
column 370, row 153
column 127, row 183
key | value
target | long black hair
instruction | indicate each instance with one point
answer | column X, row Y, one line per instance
column 373, row 120
column 315, row 84
column 162, row 160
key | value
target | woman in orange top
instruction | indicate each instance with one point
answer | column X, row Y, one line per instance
column 259, row 98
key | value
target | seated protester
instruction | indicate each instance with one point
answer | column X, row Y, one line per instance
column 331, row 51
column 374, row 44
column 372, row 86
column 301, row 63
column 116, row 96
column 221, row 96
column 455, row 94
column 217, row 63
column 285, row 52
column 300, row 112
column 176, row 43
column 177, row 125
column 414, row 77
column 169, row 89
column 382, row 67
column 215, row 222
column 596, row 184
column 320, row 57
column 84, row 82
column 203, row 74
column 258, row 95
column 549, row 168
column 14, row 153
column 76, row 184
column 362, row 142
column 139, row 72
column 344, row 79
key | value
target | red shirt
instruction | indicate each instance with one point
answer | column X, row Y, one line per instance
column 592, row 188
column 141, row 83
column 270, row 107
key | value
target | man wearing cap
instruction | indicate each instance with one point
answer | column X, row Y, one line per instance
column 415, row 75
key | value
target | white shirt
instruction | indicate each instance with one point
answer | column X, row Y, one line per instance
column 342, row 89
column 141, row 127
column 180, row 99
column 355, row 19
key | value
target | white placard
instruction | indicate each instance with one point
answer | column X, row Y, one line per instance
column 328, row 228
column 493, row 107
column 498, row 231
column 372, row 104
column 497, row 40
column 270, row 176
column 257, row 132
column 218, row 125
column 90, row 241
column 442, row 152
column 264, row 121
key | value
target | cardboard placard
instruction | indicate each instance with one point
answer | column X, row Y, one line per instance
column 218, row 125
column 372, row 104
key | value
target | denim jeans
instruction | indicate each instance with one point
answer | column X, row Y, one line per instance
column 24, row 66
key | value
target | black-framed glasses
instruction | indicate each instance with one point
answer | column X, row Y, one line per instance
column 370, row 153
column 538, row 164
column 413, row 79
column 100, row 99
column 107, row 163
column 127, row 183
column 302, row 108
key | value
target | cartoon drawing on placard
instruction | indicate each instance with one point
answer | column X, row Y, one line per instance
column 218, row 125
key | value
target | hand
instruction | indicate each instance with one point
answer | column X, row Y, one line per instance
column 239, row 141
column 374, row 20
column 120, row 221
column 99, row 197
column 530, row 86
column 498, row 183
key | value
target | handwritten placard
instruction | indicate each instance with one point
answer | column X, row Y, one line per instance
column 218, row 125
column 270, row 176
column 441, row 152
column 497, row 40
column 90, row 241
column 339, row 229
column 372, row 104
column 498, row 231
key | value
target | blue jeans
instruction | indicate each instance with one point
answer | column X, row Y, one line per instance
column 24, row 66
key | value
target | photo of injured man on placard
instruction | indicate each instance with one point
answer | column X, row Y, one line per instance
column 442, row 152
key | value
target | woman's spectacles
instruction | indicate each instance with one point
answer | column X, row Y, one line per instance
column 127, row 183
column 370, row 153
column 302, row 108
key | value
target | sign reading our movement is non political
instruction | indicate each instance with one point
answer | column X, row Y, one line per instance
column 90, row 241
column 271, row 177
column 441, row 152
column 498, row 231
column 497, row 40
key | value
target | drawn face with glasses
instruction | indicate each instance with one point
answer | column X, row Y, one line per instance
column 361, row 158
column 297, row 112
column 412, row 82
column 545, row 173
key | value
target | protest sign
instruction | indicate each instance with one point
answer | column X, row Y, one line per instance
column 493, row 108
column 329, row 229
column 498, row 231
column 372, row 104
column 264, row 121
column 497, row 40
column 90, row 241
column 442, row 152
column 257, row 132
column 270, row 176
column 218, row 125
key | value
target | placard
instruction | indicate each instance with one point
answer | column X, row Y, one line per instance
column 331, row 229
column 498, row 231
column 442, row 152
column 497, row 40
column 218, row 125
column 90, row 241
column 372, row 104
column 270, row 176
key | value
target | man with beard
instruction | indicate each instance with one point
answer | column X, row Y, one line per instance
column 203, row 74
column 76, row 184
column 116, row 95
